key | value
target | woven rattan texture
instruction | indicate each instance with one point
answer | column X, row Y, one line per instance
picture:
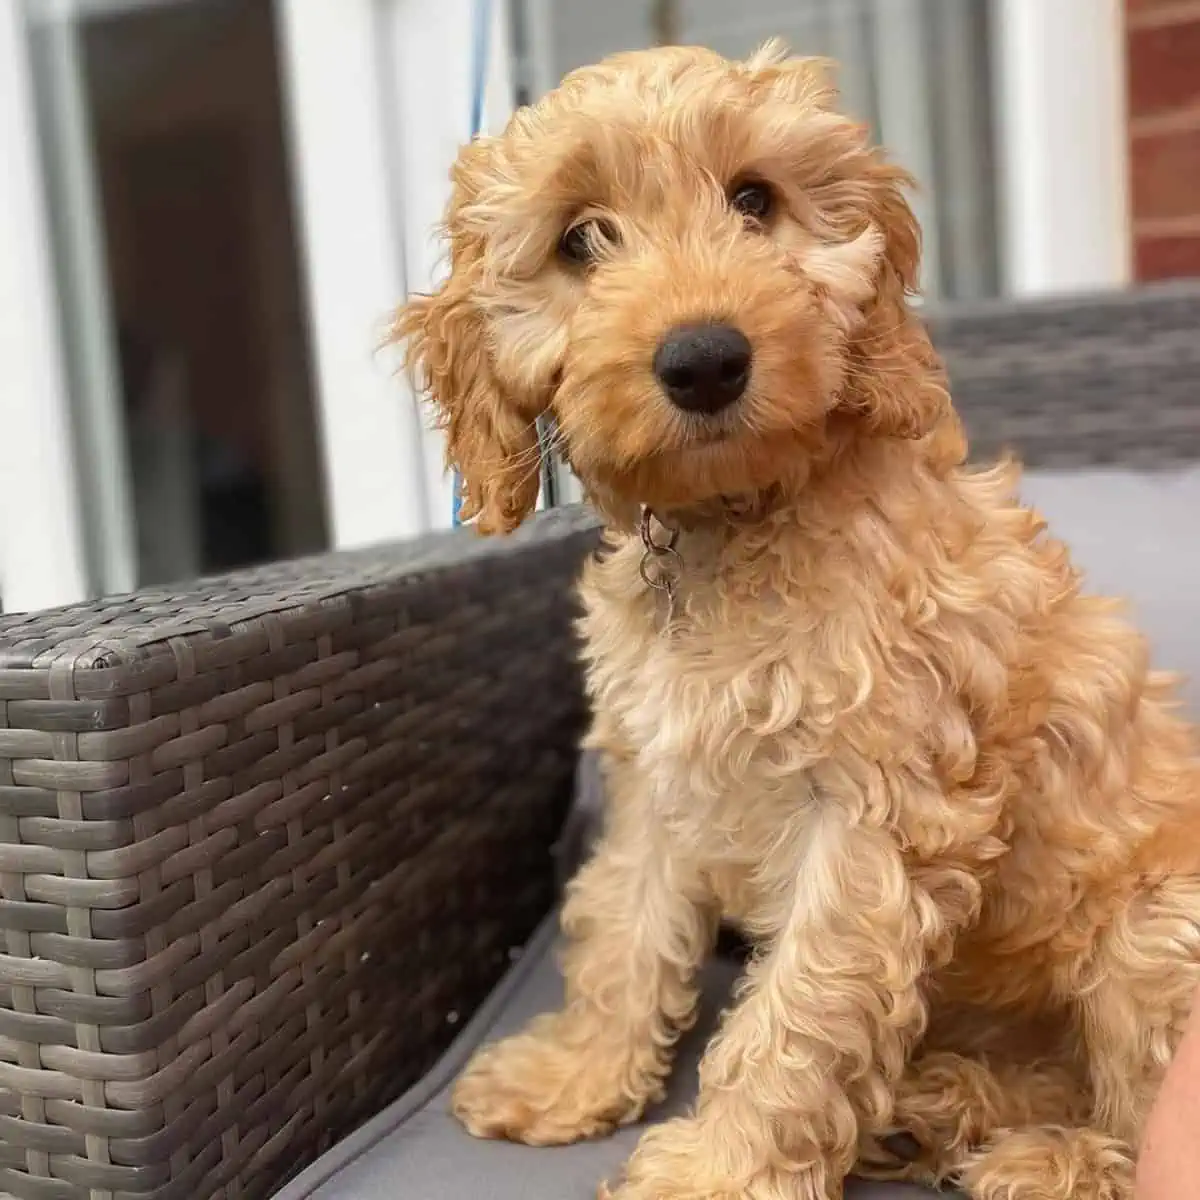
column 262, row 843
column 1080, row 382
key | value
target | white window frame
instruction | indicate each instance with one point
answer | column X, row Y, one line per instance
column 378, row 94
column 1063, row 141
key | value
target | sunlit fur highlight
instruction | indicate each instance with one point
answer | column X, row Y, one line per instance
column 887, row 733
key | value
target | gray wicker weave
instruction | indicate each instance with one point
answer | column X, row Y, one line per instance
column 262, row 842
column 265, row 840
column 1080, row 381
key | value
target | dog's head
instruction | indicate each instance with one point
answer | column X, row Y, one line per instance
column 698, row 267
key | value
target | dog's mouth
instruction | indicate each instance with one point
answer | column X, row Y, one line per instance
column 711, row 434
column 709, row 430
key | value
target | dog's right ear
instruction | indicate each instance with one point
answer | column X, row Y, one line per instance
column 491, row 443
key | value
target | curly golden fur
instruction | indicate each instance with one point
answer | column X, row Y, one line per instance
column 882, row 728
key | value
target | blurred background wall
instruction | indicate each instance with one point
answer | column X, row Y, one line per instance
column 209, row 207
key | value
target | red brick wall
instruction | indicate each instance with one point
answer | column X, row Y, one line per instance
column 1163, row 45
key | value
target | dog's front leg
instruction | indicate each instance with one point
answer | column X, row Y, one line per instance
column 822, row 1032
column 637, row 925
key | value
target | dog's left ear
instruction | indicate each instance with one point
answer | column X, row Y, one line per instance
column 895, row 379
column 490, row 437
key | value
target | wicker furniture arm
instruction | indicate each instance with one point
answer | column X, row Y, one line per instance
column 262, row 842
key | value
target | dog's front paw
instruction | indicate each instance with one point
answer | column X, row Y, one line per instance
column 546, row 1087
column 895, row 1156
column 691, row 1159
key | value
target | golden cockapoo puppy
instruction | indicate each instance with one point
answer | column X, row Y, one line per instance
column 849, row 695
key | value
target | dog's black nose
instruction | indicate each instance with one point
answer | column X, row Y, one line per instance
column 703, row 368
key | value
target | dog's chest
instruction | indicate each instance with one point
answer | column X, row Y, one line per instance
column 726, row 708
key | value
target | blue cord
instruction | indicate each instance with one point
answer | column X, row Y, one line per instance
column 483, row 33
column 480, row 47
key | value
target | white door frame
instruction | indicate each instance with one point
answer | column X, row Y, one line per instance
column 378, row 95
column 43, row 558
column 1061, row 130
column 88, row 326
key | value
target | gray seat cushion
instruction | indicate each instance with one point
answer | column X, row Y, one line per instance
column 1136, row 535
column 415, row 1150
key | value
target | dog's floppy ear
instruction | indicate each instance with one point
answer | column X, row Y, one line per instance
column 490, row 441
column 896, row 379
column 893, row 383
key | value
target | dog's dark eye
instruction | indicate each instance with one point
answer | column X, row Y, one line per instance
column 583, row 241
column 753, row 199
